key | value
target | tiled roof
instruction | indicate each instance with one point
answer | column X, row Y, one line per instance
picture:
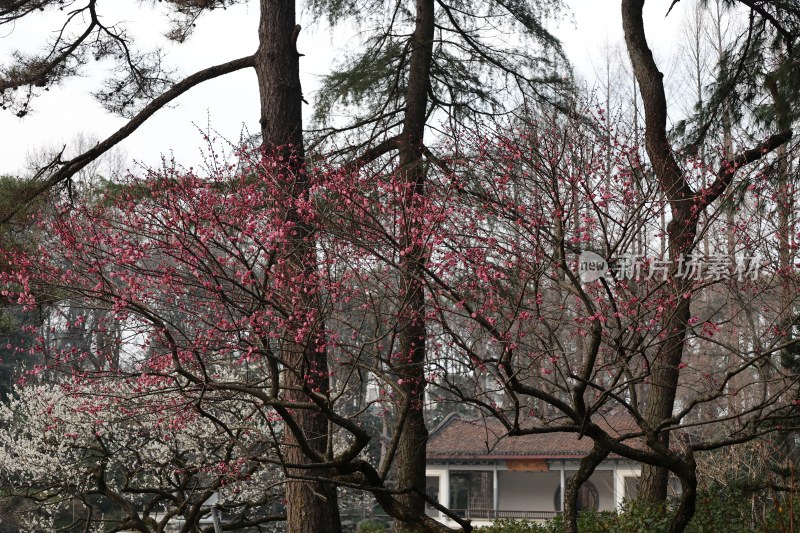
column 486, row 439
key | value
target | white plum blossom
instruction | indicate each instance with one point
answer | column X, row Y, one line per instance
column 116, row 457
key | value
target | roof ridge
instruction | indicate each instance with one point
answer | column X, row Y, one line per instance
column 447, row 420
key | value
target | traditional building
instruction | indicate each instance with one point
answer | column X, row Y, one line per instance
column 482, row 475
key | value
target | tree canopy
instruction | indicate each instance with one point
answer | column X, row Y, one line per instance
column 264, row 335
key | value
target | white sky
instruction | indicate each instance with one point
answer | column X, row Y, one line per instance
column 231, row 103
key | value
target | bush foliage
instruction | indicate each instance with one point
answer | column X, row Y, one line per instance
column 721, row 510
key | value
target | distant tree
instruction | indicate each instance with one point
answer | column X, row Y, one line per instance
column 754, row 76
column 15, row 336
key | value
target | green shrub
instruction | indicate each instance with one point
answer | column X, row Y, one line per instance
column 370, row 526
column 505, row 525
column 783, row 514
column 719, row 510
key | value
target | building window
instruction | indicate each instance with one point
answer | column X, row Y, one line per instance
column 471, row 491
column 588, row 499
column 432, row 491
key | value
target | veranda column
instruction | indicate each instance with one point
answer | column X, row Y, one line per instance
column 619, row 488
column 444, row 489
column 495, row 486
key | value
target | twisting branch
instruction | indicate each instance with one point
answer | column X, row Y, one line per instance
column 729, row 167
column 755, row 6
column 74, row 165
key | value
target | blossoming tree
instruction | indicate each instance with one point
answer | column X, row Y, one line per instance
column 192, row 270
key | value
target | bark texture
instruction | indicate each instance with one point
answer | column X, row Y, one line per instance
column 681, row 232
column 585, row 471
column 410, row 371
column 686, row 208
column 311, row 504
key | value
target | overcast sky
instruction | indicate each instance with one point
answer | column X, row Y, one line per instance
column 230, row 104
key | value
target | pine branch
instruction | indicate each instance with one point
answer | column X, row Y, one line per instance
column 729, row 167
column 74, row 165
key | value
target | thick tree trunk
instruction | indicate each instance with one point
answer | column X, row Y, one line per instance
column 681, row 233
column 277, row 67
column 661, row 398
column 312, row 506
column 410, row 372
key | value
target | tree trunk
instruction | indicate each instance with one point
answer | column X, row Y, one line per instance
column 585, row 471
column 312, row 506
column 277, row 67
column 681, row 233
column 687, row 475
column 410, row 371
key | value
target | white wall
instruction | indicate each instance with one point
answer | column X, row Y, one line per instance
column 604, row 483
column 527, row 491
column 535, row 491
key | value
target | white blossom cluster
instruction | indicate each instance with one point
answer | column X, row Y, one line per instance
column 126, row 455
